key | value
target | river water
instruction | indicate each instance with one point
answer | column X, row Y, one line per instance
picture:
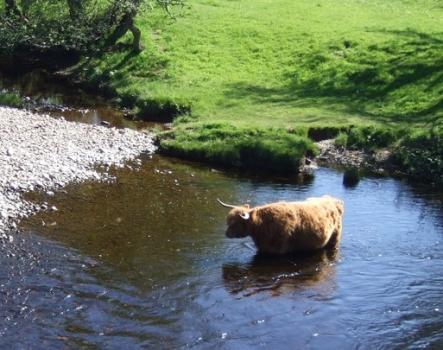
column 143, row 262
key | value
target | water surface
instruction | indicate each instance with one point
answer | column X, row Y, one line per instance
column 143, row 263
column 42, row 94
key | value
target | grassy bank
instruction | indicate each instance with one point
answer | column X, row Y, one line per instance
column 248, row 147
column 251, row 66
column 284, row 64
column 418, row 153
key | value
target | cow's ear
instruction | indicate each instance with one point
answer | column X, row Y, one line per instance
column 244, row 215
column 247, row 205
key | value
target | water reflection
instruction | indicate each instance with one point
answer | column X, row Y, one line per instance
column 280, row 275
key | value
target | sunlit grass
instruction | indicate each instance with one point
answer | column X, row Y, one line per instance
column 285, row 62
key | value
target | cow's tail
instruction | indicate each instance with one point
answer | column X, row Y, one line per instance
column 340, row 206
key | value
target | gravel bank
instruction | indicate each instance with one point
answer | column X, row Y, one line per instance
column 38, row 152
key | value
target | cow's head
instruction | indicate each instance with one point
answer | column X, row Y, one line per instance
column 237, row 220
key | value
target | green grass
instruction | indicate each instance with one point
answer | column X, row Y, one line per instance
column 281, row 63
column 369, row 137
column 10, row 99
column 420, row 154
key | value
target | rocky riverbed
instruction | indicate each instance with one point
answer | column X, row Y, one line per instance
column 378, row 162
column 40, row 153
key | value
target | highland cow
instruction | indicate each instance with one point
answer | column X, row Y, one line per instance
column 288, row 227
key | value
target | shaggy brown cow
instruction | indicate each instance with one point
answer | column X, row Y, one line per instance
column 288, row 227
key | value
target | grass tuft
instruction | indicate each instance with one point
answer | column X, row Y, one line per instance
column 10, row 99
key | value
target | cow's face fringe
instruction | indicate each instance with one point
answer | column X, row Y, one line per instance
column 237, row 224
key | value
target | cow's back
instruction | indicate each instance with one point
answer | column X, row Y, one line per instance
column 320, row 222
column 286, row 227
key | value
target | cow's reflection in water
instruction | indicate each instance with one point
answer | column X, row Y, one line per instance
column 281, row 274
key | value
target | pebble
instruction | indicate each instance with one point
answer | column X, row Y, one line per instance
column 44, row 153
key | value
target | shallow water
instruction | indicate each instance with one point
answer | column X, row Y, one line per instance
column 69, row 102
column 144, row 263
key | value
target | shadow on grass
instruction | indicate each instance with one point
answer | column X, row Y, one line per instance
column 396, row 81
column 120, row 74
column 128, row 64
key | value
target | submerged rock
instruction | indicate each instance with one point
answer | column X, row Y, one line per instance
column 351, row 177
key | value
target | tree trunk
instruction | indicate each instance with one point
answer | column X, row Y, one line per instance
column 137, row 34
column 25, row 6
column 12, row 8
column 75, row 8
column 125, row 25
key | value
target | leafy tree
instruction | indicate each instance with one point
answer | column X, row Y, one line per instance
column 80, row 25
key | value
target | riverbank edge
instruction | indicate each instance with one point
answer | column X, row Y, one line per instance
column 408, row 159
column 400, row 153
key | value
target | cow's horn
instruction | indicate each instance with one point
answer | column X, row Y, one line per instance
column 226, row 205
column 244, row 216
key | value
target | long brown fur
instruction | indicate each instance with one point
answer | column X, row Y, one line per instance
column 289, row 227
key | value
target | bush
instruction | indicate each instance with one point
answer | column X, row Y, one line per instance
column 371, row 137
column 420, row 155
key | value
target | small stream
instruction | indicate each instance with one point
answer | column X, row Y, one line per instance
column 43, row 95
column 143, row 263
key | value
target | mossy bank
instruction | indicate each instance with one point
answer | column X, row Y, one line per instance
column 416, row 154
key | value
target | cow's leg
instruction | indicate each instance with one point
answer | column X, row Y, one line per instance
column 335, row 238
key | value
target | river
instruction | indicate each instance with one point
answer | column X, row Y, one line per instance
column 143, row 262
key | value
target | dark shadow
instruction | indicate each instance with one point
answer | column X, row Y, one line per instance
column 279, row 274
column 372, row 81
column 155, row 66
column 119, row 72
